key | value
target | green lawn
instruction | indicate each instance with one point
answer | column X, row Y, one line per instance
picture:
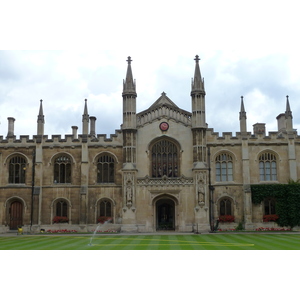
column 262, row 241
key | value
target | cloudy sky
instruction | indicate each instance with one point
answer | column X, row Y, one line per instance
column 64, row 53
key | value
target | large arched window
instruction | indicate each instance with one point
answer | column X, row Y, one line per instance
column 62, row 169
column 267, row 167
column 165, row 159
column 17, row 169
column 105, row 169
column 224, row 167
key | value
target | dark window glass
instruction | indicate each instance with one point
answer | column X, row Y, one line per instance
column 62, row 169
column 105, row 169
column 17, row 170
column 164, row 159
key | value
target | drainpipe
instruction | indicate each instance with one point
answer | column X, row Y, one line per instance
column 32, row 188
column 211, row 193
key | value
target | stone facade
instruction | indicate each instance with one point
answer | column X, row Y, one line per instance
column 163, row 170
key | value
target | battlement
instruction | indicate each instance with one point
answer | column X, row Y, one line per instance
column 59, row 140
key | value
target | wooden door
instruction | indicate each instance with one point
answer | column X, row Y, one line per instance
column 16, row 215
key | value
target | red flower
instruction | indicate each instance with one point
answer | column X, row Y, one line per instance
column 270, row 218
column 226, row 218
column 103, row 219
column 58, row 219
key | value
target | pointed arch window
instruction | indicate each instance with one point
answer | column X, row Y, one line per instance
column 224, row 167
column 267, row 167
column 105, row 169
column 269, row 206
column 62, row 208
column 225, row 207
column 165, row 159
column 17, row 170
column 105, row 208
column 61, row 211
column 62, row 169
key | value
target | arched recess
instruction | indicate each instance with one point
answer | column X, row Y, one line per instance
column 15, row 208
column 225, row 206
column 165, row 212
column 105, row 207
column 57, row 206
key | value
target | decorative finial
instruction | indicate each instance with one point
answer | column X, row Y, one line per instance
column 242, row 97
column 197, row 58
column 129, row 60
column 287, row 97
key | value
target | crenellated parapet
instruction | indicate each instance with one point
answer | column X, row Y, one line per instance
column 228, row 138
column 62, row 141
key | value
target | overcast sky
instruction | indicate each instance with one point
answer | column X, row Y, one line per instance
column 247, row 48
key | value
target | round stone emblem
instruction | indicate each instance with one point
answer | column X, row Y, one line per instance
column 164, row 126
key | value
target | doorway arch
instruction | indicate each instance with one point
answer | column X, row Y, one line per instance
column 165, row 214
column 15, row 214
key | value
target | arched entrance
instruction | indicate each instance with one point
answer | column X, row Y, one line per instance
column 165, row 214
column 15, row 215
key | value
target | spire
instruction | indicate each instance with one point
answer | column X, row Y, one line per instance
column 129, row 83
column 242, row 112
column 197, row 82
column 243, row 117
column 40, row 120
column 85, row 119
column 288, row 116
column 288, row 112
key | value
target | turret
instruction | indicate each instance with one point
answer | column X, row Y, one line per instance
column 198, row 98
column 198, row 117
column 129, row 99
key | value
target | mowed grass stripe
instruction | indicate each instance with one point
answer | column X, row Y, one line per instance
column 103, row 242
column 269, row 241
column 275, row 242
column 155, row 242
column 293, row 240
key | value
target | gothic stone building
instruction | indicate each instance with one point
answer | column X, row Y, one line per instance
column 164, row 169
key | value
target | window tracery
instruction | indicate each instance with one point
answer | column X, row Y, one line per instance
column 17, row 170
column 224, row 167
column 105, row 169
column 267, row 167
column 165, row 159
column 62, row 169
